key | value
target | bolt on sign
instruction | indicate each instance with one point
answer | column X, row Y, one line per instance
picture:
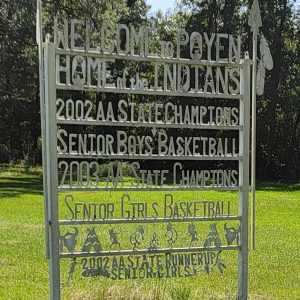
column 136, row 129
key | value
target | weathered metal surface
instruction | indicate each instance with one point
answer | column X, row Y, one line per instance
column 68, row 240
column 154, row 266
column 146, row 251
column 92, row 242
column 67, row 188
column 258, row 84
column 194, row 234
column 138, row 124
column 77, row 66
column 141, row 236
column 255, row 21
column 148, row 220
column 230, row 157
column 39, row 40
column 136, row 237
column 51, row 167
column 265, row 63
column 138, row 58
column 148, row 92
column 244, row 180
column 232, row 234
column 73, row 264
column 114, row 239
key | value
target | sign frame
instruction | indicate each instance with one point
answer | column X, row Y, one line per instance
column 52, row 156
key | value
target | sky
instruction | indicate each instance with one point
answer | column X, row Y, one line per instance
column 160, row 4
column 165, row 4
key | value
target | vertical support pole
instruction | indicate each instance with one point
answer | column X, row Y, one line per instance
column 253, row 143
column 39, row 40
column 52, row 177
column 244, row 142
column 255, row 22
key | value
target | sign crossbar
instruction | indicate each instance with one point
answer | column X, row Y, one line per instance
column 70, row 87
column 150, row 220
column 146, row 251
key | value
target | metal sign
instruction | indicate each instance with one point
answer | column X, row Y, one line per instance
column 92, row 142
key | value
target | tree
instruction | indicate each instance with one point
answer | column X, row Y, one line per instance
column 278, row 121
column 278, row 118
column 19, row 101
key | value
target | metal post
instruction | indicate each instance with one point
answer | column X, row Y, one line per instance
column 255, row 23
column 39, row 40
column 244, row 178
column 52, row 178
column 253, row 149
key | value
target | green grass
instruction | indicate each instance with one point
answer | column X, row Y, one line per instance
column 273, row 266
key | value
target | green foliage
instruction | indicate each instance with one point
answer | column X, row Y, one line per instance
column 278, row 119
column 19, row 101
column 279, row 108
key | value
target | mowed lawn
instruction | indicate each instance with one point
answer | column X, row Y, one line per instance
column 274, row 267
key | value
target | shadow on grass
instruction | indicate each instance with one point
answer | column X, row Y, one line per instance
column 278, row 186
column 17, row 186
